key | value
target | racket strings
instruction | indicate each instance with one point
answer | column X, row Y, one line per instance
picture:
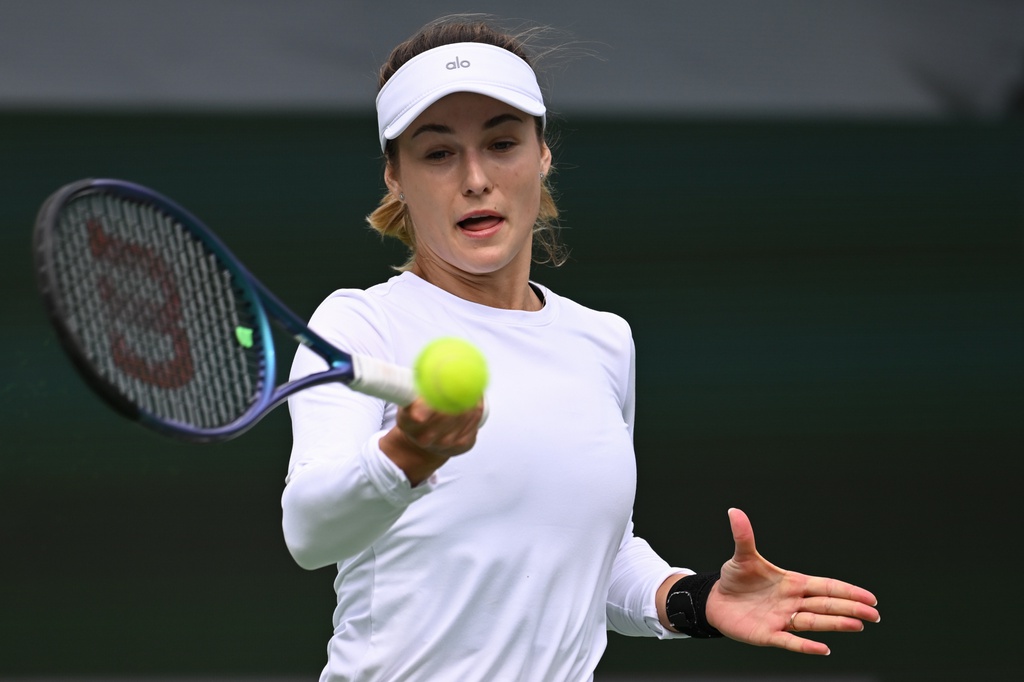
column 229, row 382
column 155, row 312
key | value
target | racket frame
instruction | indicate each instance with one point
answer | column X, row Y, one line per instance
column 396, row 384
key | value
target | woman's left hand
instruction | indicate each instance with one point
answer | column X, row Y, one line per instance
column 759, row 603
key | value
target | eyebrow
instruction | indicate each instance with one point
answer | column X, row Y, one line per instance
column 446, row 130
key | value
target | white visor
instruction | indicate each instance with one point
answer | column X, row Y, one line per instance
column 459, row 67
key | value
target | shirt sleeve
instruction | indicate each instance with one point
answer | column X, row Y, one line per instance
column 637, row 574
column 341, row 492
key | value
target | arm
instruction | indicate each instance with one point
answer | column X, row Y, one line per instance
column 335, row 505
column 357, row 463
column 342, row 492
column 759, row 603
column 636, row 574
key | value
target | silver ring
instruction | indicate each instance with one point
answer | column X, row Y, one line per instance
column 792, row 619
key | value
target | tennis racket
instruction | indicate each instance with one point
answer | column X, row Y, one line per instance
column 165, row 324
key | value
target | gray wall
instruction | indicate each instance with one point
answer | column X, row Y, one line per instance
column 913, row 58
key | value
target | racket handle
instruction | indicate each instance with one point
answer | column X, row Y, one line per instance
column 387, row 381
column 382, row 380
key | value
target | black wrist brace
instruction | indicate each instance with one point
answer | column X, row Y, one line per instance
column 686, row 604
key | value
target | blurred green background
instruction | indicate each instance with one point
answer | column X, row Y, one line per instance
column 829, row 319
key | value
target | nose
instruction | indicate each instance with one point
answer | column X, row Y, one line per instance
column 477, row 180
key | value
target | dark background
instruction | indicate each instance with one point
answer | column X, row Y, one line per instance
column 829, row 319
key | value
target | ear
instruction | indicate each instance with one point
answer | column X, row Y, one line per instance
column 391, row 180
column 545, row 158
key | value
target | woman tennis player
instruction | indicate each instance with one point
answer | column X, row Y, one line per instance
column 504, row 552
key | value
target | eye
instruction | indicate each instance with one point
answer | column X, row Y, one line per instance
column 503, row 145
column 437, row 155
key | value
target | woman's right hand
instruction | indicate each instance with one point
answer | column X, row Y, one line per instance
column 423, row 439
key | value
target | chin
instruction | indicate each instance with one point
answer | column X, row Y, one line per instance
column 482, row 265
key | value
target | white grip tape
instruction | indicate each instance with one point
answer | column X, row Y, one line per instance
column 383, row 380
column 388, row 381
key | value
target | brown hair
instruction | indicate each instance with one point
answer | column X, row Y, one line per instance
column 391, row 218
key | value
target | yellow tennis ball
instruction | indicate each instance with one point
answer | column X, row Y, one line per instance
column 451, row 375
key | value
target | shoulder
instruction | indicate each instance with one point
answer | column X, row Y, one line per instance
column 370, row 304
column 369, row 320
column 357, row 320
column 345, row 306
column 591, row 319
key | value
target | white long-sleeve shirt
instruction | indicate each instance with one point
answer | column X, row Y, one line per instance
column 512, row 560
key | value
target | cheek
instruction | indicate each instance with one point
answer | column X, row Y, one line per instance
column 429, row 217
column 528, row 188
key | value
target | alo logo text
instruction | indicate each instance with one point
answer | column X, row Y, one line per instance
column 456, row 64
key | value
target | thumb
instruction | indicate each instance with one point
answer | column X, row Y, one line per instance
column 742, row 535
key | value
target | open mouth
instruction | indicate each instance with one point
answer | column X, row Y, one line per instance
column 480, row 222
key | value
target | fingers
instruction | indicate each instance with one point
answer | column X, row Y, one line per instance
column 439, row 433
column 825, row 614
column 829, row 605
column 839, row 590
column 806, row 621
column 833, row 607
column 790, row 642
